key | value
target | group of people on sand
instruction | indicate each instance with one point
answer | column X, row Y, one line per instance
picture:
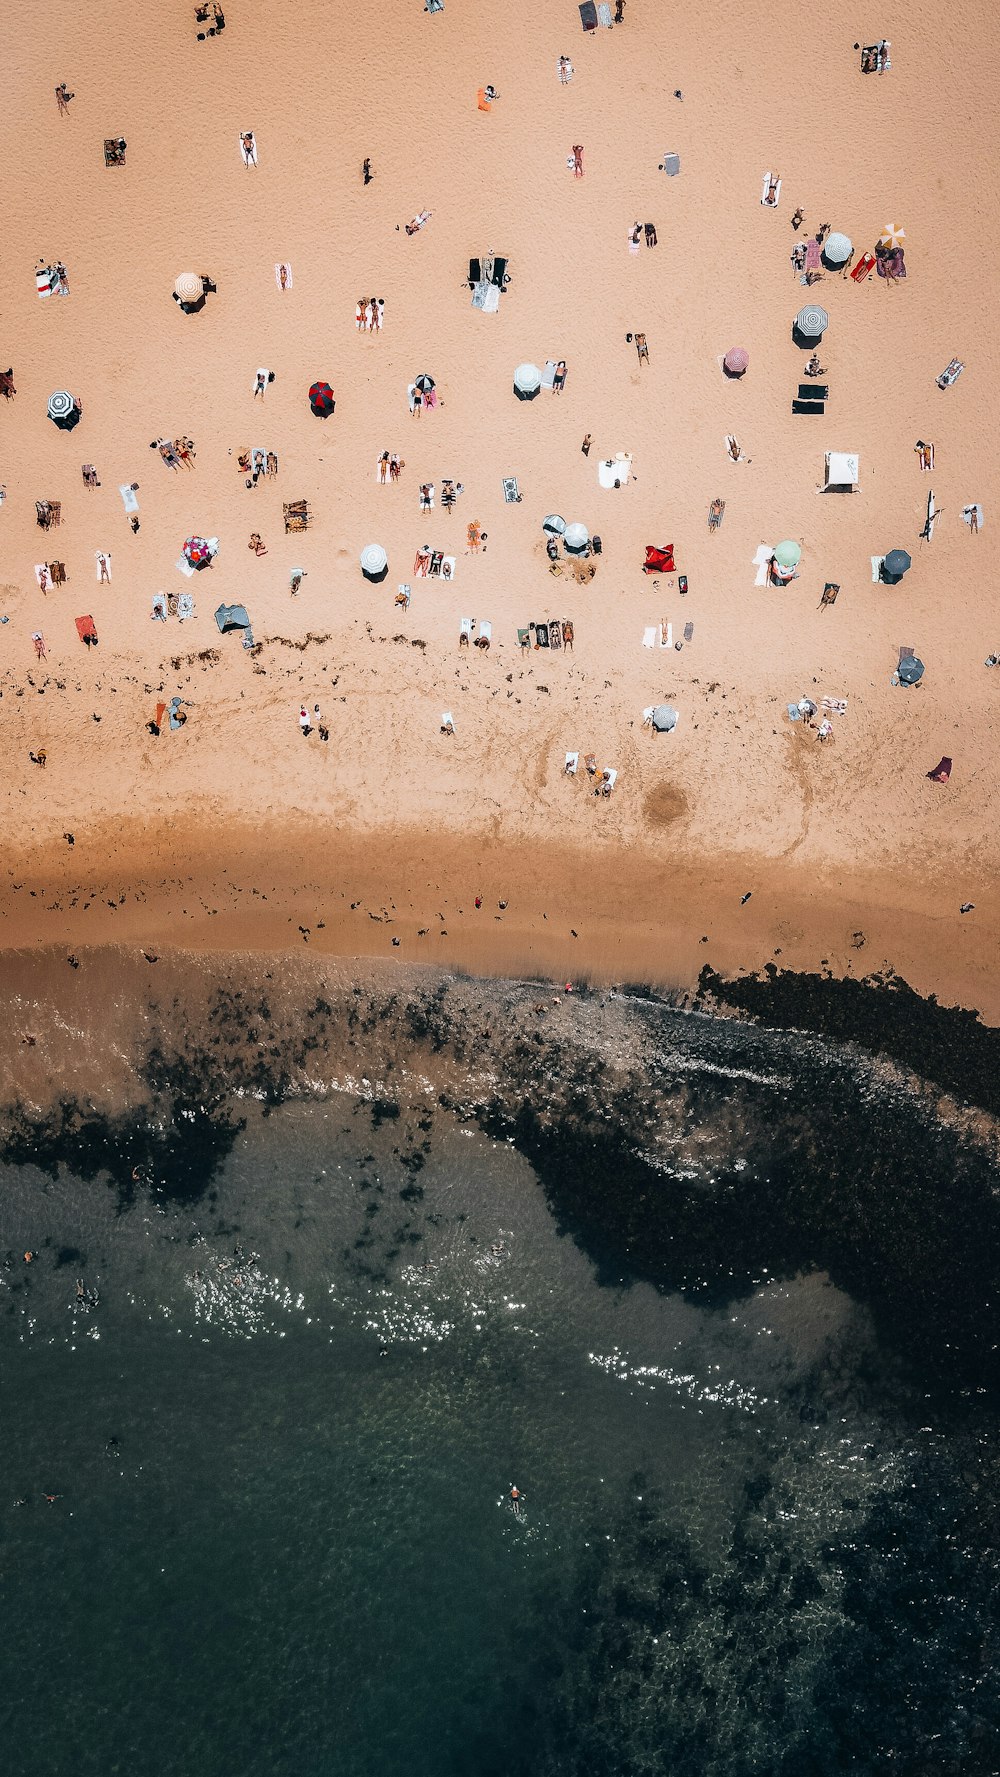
column 175, row 452
column 389, row 467
column 369, row 314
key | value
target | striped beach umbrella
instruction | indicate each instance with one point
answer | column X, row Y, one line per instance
column 188, row 287
column 60, row 406
column 892, row 235
column 321, row 399
column 812, row 321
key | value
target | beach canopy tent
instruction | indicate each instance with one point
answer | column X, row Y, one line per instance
column 788, row 555
column 911, row 671
column 374, row 562
column 235, row 617
column 60, row 408
column 837, row 249
column 664, row 718
column 812, row 321
column 197, row 551
column 527, row 381
column 658, row 561
column 188, row 287
column 895, row 564
column 576, row 538
column 736, row 360
column 321, row 399
column 841, row 468
column 554, row 525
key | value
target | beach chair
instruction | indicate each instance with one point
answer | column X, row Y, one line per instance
column 830, row 592
column 950, row 374
column 716, row 513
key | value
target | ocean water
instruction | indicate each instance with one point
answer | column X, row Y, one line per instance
column 281, row 1383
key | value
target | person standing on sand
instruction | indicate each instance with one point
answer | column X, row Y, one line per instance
column 578, row 160
column 63, row 98
column 366, row 171
column 619, row 12
column 585, row 446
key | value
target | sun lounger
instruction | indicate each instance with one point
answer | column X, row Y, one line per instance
column 762, row 562
column 649, row 636
column 159, row 607
column 129, row 500
column 572, row 764
column 772, row 202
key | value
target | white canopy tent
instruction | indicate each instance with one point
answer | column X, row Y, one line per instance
column 841, row 471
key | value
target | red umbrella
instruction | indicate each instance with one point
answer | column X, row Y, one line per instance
column 197, row 551
column 321, row 398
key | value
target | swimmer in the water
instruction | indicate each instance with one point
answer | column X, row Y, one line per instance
column 516, row 1498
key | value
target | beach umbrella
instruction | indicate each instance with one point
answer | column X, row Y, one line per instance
column 736, row 360
column 321, row 399
column 837, row 248
column 188, row 287
column 424, row 383
column 892, row 235
column 576, row 538
column 664, row 718
column 554, row 525
column 60, row 406
column 197, row 551
column 788, row 555
column 896, row 563
column 374, row 562
column 911, row 671
column 812, row 321
column 527, row 381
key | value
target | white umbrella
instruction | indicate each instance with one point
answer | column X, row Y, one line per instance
column 891, row 235
column 374, row 560
column 576, row 538
column 188, row 287
column 837, row 248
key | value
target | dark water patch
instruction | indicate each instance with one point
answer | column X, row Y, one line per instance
column 882, row 1014
column 174, row 1147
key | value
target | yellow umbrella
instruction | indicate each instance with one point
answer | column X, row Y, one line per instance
column 891, row 235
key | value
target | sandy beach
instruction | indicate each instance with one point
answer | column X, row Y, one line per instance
column 237, row 832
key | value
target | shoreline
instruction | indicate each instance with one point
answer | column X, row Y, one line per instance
column 603, row 917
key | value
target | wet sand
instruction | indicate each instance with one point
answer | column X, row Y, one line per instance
column 853, row 859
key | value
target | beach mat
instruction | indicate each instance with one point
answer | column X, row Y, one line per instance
column 588, row 15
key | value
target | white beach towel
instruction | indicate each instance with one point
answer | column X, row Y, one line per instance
column 98, row 553
column 43, row 282
column 564, row 71
column 283, row 266
column 765, row 188
column 248, row 155
column 465, row 627
column 159, row 611
column 604, row 14
column 610, row 777
column 447, row 719
column 647, row 715
column 877, row 561
column 129, row 500
column 448, row 568
column 967, row 512
column 261, row 371
column 184, row 565
column 572, row 763
column 761, row 562
column 486, row 631
column 649, row 636
column 42, row 567
column 615, row 472
column 185, row 606
column 549, row 374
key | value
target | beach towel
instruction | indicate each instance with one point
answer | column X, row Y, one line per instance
column 610, row 777
column 564, row 69
column 659, row 561
column 261, row 371
column 42, row 575
column 541, row 635
column 588, row 15
column 43, row 281
column 161, row 710
column 486, row 298
column 555, row 636
column 814, row 255
column 941, row 772
column 615, row 472
column 860, row 271
column 129, row 500
column 877, row 561
column 524, row 638
column 762, row 562
column 106, row 553
column 159, row 607
column 248, row 150
column 572, row 764
column 283, row 267
column 970, row 512
column 666, row 635
column 427, row 497
column 486, row 630
column 483, row 102
column 688, row 631
column 794, row 713
column 184, row 565
column 447, row 722
column 604, row 14
column 465, row 628
column 86, row 630
column 549, row 374
column 649, row 636
column 765, row 188
column 185, row 606
column 511, row 492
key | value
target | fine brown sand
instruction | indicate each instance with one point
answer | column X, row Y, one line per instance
column 236, row 831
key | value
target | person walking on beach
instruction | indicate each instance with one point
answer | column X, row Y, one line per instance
column 63, row 97
column 585, row 446
column 619, row 12
column 366, row 171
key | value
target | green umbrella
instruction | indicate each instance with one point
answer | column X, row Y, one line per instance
column 788, row 555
